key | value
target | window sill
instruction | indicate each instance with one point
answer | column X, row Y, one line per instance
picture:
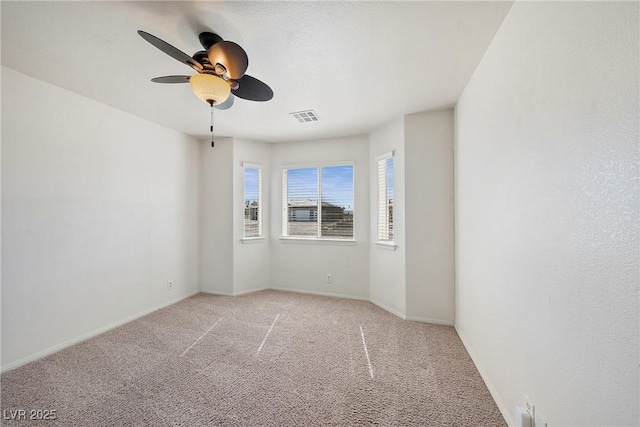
column 250, row 240
column 388, row 246
column 315, row 241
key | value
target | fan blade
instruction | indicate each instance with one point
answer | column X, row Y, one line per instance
column 231, row 56
column 171, row 51
column 208, row 39
column 226, row 104
column 253, row 89
column 171, row 79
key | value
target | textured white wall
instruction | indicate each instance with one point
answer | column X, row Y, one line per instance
column 547, row 212
column 387, row 274
column 99, row 211
column 428, row 145
column 303, row 267
column 251, row 261
column 216, row 236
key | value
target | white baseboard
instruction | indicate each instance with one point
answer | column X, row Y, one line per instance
column 88, row 335
column 249, row 291
column 324, row 294
column 389, row 309
column 235, row 294
column 506, row 413
column 432, row 321
column 220, row 293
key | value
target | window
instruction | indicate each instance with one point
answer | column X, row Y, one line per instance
column 385, row 198
column 317, row 202
column 252, row 200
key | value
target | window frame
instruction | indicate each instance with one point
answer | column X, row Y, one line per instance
column 390, row 242
column 317, row 239
column 260, row 236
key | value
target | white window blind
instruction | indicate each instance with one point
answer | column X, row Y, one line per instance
column 301, row 191
column 317, row 202
column 385, row 198
column 252, row 200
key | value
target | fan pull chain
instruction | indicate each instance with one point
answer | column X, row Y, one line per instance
column 212, row 142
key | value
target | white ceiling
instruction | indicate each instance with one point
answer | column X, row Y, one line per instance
column 359, row 65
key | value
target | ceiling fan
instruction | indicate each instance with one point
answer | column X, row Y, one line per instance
column 221, row 70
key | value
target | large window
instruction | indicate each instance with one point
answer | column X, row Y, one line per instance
column 252, row 200
column 317, row 202
column 385, row 198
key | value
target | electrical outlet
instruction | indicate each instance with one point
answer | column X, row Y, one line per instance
column 170, row 285
column 329, row 278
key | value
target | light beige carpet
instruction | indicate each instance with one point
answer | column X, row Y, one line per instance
column 264, row 359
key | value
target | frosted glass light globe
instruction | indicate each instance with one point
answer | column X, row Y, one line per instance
column 210, row 88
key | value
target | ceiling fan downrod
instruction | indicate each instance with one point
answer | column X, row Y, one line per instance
column 211, row 128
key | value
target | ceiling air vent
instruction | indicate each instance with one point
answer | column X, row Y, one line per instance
column 305, row 116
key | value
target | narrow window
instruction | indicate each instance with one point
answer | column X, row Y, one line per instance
column 385, row 198
column 252, row 200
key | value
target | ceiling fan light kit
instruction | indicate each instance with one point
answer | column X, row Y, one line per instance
column 210, row 88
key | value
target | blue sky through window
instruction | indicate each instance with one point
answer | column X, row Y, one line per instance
column 390, row 178
column 251, row 184
column 337, row 186
column 303, row 183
